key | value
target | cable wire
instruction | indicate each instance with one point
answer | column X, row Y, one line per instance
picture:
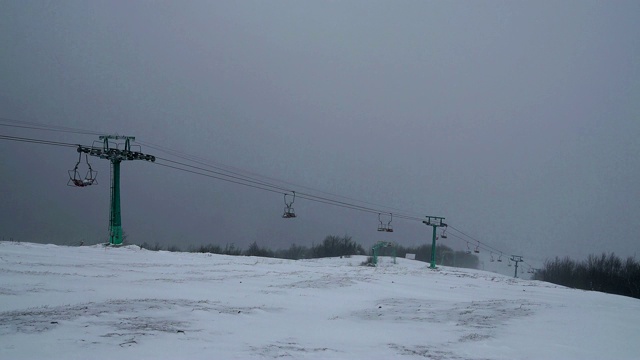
column 254, row 176
column 37, row 126
column 36, row 141
column 238, row 176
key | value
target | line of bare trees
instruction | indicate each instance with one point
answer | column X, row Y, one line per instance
column 444, row 255
column 333, row 246
column 605, row 273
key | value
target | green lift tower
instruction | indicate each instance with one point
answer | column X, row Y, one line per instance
column 376, row 250
column 113, row 152
column 435, row 222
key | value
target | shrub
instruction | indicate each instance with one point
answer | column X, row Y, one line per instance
column 368, row 262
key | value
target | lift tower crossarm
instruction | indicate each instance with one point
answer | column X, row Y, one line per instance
column 116, row 137
column 435, row 222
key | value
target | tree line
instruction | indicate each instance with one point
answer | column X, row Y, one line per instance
column 333, row 246
column 606, row 273
column 444, row 255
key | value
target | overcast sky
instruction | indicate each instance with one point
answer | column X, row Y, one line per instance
column 517, row 121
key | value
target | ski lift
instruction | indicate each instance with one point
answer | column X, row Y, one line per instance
column 468, row 248
column 288, row 210
column 444, row 233
column 74, row 175
column 381, row 227
column 492, row 259
column 389, row 228
column 500, row 258
column 385, row 227
column 477, row 249
column 509, row 262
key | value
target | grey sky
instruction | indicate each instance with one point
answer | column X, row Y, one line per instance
column 518, row 121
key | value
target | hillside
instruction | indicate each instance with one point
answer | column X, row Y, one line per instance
column 105, row 303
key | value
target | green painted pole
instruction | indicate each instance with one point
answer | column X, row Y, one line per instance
column 116, row 156
column 115, row 223
column 433, row 248
column 375, row 255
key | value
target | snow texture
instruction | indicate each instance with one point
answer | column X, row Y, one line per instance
column 100, row 302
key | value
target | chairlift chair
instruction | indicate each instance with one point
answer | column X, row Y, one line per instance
column 389, row 228
column 468, row 248
column 74, row 175
column 500, row 258
column 444, row 233
column 477, row 249
column 492, row 259
column 289, row 212
column 382, row 226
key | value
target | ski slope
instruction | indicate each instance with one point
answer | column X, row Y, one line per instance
column 97, row 302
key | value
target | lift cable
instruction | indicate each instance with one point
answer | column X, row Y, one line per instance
column 36, row 141
column 229, row 178
column 37, row 126
column 236, row 173
column 254, row 176
column 483, row 245
column 236, row 176
column 479, row 245
column 219, row 178
column 474, row 239
column 269, row 187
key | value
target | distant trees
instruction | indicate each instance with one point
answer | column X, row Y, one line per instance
column 255, row 250
column 210, row 248
column 444, row 255
column 229, row 249
column 155, row 247
column 294, row 252
column 174, row 248
column 333, row 246
column 336, row 246
column 605, row 273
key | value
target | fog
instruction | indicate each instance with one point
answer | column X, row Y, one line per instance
column 516, row 121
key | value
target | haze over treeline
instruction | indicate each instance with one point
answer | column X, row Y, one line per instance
column 333, row 246
column 516, row 121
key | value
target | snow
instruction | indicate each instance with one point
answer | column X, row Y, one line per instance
column 103, row 303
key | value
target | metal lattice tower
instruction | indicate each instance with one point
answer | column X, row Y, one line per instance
column 115, row 156
column 435, row 222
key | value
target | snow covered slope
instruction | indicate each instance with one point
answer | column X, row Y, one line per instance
column 127, row 303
